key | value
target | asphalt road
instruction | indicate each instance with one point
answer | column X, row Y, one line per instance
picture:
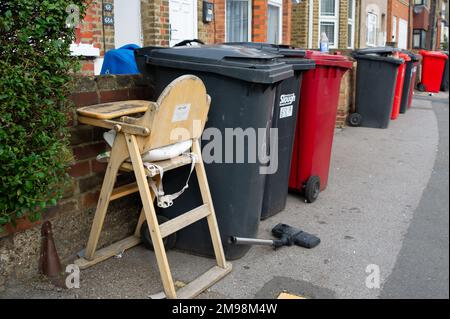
column 422, row 267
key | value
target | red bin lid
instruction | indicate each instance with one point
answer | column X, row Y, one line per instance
column 325, row 59
column 404, row 56
column 434, row 54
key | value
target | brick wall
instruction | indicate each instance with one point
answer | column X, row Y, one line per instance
column 155, row 22
column 346, row 97
column 72, row 217
column 92, row 31
column 287, row 18
column 300, row 25
column 400, row 9
column 343, row 24
column 315, row 37
column 259, row 21
column 212, row 32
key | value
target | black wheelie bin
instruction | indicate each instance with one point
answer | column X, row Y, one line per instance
column 444, row 82
column 242, row 84
column 410, row 76
column 376, row 75
column 284, row 120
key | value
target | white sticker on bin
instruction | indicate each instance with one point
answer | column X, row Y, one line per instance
column 285, row 111
column 181, row 112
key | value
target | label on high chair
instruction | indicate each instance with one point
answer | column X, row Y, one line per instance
column 181, row 112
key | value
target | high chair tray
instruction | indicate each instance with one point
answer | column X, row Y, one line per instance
column 106, row 111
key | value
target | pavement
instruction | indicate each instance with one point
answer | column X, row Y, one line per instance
column 385, row 212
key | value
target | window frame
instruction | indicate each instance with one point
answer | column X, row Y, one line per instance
column 333, row 19
column 422, row 36
column 351, row 21
column 421, row 2
column 249, row 23
column 375, row 30
column 279, row 5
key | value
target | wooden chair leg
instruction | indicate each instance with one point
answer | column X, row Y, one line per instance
column 109, row 180
column 206, row 196
column 141, row 219
column 150, row 215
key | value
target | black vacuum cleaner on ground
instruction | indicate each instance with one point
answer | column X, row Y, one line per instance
column 287, row 236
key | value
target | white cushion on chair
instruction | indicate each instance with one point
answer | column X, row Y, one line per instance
column 158, row 154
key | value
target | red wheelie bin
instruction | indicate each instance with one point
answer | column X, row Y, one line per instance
column 399, row 85
column 433, row 63
column 315, row 124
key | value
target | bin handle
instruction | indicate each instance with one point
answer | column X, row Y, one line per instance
column 185, row 42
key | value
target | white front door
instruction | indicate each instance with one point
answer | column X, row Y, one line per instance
column 127, row 22
column 402, row 34
column 183, row 20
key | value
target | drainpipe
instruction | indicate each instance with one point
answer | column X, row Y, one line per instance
column 409, row 25
column 432, row 23
column 359, row 24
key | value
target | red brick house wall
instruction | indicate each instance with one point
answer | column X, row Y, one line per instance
column 287, row 13
column 92, row 31
column 401, row 10
column 259, row 21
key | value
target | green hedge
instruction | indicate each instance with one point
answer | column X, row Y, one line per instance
column 35, row 78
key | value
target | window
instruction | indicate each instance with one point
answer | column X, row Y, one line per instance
column 394, row 29
column 419, row 37
column 274, row 23
column 328, row 7
column 372, row 23
column 329, row 21
column 351, row 24
column 420, row 2
column 238, row 20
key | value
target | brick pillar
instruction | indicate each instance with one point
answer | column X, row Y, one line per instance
column 343, row 24
column 300, row 24
column 315, row 41
column 259, row 21
column 155, row 22
column 92, row 31
column 287, row 15
column 213, row 32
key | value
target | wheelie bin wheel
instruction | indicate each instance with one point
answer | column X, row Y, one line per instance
column 169, row 241
column 421, row 87
column 312, row 189
column 354, row 119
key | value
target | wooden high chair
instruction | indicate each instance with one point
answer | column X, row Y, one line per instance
column 178, row 115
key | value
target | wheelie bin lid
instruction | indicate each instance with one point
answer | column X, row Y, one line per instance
column 336, row 60
column 384, row 51
column 246, row 64
column 414, row 57
column 389, row 59
column 404, row 56
column 434, row 54
column 293, row 56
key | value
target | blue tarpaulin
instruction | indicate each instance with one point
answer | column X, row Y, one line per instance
column 120, row 61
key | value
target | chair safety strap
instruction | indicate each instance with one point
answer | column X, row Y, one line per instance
column 162, row 199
